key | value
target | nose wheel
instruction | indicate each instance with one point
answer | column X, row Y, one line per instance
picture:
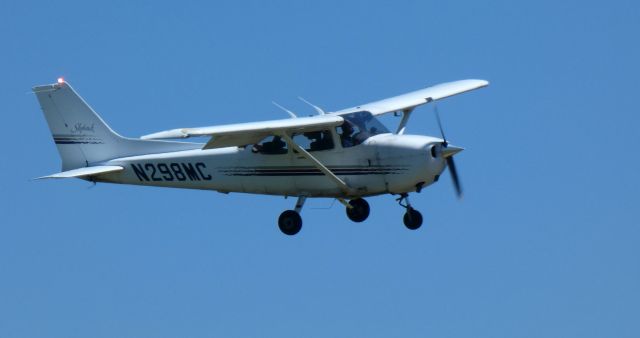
column 412, row 218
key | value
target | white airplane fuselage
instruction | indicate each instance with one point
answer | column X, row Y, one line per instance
column 384, row 163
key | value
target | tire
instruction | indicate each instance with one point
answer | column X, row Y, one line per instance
column 412, row 219
column 359, row 211
column 290, row 222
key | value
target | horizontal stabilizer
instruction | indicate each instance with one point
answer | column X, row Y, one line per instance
column 84, row 172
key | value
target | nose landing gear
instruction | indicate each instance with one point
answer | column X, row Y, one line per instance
column 412, row 218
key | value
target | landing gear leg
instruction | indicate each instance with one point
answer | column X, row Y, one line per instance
column 357, row 210
column 290, row 221
column 412, row 218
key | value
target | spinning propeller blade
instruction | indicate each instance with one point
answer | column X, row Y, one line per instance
column 454, row 176
column 448, row 155
column 435, row 109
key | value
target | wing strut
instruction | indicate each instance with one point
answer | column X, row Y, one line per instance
column 406, row 113
column 343, row 186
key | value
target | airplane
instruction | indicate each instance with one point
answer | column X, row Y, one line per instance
column 346, row 155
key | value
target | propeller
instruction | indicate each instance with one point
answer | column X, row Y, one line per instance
column 447, row 153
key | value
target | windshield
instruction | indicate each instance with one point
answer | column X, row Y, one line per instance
column 358, row 127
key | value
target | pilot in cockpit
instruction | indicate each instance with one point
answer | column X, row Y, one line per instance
column 346, row 136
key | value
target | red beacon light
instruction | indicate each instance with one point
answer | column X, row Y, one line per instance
column 60, row 80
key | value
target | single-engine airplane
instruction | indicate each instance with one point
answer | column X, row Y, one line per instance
column 347, row 155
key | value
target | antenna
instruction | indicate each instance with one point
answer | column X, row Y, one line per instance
column 292, row 114
column 318, row 109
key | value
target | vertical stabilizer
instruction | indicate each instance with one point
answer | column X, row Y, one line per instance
column 82, row 137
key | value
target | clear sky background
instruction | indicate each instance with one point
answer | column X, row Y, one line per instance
column 544, row 244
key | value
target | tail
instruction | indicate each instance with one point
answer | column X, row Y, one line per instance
column 82, row 137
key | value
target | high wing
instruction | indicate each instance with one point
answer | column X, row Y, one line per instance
column 249, row 133
column 419, row 97
column 85, row 172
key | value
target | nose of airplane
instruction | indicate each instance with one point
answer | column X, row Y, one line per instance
column 445, row 151
column 450, row 150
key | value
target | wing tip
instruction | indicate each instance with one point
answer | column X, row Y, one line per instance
column 476, row 83
column 482, row 83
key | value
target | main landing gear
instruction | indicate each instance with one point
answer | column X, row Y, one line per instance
column 357, row 210
column 412, row 218
column 290, row 221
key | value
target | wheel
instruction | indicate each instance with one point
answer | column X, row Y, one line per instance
column 359, row 211
column 412, row 219
column 290, row 222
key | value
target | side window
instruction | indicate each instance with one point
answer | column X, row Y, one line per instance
column 272, row 145
column 314, row 141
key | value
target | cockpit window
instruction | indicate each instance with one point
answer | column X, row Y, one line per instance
column 358, row 127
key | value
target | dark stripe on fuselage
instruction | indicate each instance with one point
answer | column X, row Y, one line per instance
column 77, row 142
column 312, row 174
column 308, row 171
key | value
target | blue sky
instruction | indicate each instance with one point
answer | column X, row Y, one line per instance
column 544, row 244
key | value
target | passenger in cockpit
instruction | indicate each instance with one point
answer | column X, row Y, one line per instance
column 275, row 146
